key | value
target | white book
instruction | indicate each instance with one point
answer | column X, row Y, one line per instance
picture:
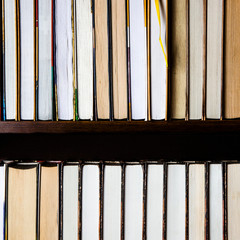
column 214, row 58
column 90, row 202
column 27, row 58
column 64, row 58
column 196, row 202
column 2, row 202
column 133, row 202
column 176, row 202
column 196, row 58
column 84, row 58
column 233, row 201
column 112, row 203
column 155, row 202
column 216, row 202
column 45, row 80
column 138, row 59
column 158, row 63
column 10, row 59
column 70, row 202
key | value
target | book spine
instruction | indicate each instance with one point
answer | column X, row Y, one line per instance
column 165, row 173
column 36, row 62
column 95, row 117
column 225, row 212
column 101, row 198
column 2, row 84
column 206, row 201
column 18, row 61
column 145, row 174
column 167, row 69
column 187, row 202
column 80, row 173
column 128, row 63
column 123, row 201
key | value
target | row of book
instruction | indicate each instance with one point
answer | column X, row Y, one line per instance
column 120, row 59
column 120, row 201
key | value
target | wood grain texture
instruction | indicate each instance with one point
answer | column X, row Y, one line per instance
column 232, row 60
column 119, row 45
column 22, row 203
column 178, row 57
column 102, row 58
column 49, row 203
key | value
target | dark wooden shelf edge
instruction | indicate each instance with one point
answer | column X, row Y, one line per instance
column 167, row 127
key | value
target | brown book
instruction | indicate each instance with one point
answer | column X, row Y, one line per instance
column 178, row 50
column 22, row 203
column 119, row 52
column 232, row 60
column 102, row 58
column 49, row 203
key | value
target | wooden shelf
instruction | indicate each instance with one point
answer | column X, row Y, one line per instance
column 91, row 127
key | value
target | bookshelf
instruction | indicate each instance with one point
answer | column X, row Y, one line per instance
column 121, row 140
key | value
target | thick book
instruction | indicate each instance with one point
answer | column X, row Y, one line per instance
column 45, row 58
column 22, row 203
column 214, row 58
column 84, row 55
column 176, row 205
column 90, row 202
column 103, row 86
column 64, row 59
column 2, row 201
column 70, row 202
column 27, row 59
column 158, row 59
column 196, row 58
column 155, row 201
column 138, row 59
column 119, row 57
column 133, row 202
column 178, row 47
column 49, row 203
column 9, row 38
column 112, row 203
column 216, row 202
column 196, row 202
column 232, row 60
column 233, row 201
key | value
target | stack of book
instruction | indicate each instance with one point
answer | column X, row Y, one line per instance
column 113, row 200
column 120, row 59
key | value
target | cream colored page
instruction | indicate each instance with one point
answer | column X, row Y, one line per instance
column 233, row 199
column 196, row 202
column 49, row 203
column 119, row 47
column 22, row 203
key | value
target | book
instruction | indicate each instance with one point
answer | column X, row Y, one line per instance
column 2, row 201
column 27, row 59
column 49, row 202
column 84, row 49
column 22, row 203
column 196, row 202
column 158, row 61
column 178, row 47
column 233, row 200
column 9, row 38
column 154, row 201
column 112, row 203
column 216, row 202
column 196, row 58
column 64, row 59
column 138, row 59
column 90, row 202
column 133, row 202
column 214, row 58
column 102, row 59
column 45, row 70
column 70, row 202
column 119, row 54
column 176, row 210
column 231, row 60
